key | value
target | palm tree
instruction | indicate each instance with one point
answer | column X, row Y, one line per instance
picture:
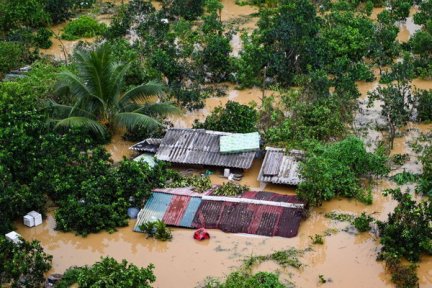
column 100, row 103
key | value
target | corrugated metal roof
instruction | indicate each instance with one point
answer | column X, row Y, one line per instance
column 279, row 168
column 261, row 213
column 154, row 209
column 173, row 209
column 147, row 145
column 190, row 212
column 200, row 147
column 253, row 217
column 236, row 143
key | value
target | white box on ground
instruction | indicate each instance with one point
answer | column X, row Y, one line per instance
column 13, row 237
column 226, row 172
column 29, row 221
column 37, row 217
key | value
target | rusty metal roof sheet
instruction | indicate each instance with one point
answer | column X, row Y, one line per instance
column 173, row 209
column 260, row 213
column 200, row 147
column 279, row 168
column 261, row 217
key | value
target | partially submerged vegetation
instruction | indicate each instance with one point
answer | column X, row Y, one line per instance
column 24, row 264
column 108, row 273
column 51, row 135
column 245, row 277
column 230, row 189
column 157, row 229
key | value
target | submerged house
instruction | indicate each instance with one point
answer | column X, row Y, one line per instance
column 204, row 147
column 279, row 167
column 259, row 213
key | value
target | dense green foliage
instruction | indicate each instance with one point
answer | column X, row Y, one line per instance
column 108, row 273
column 12, row 55
column 230, row 189
column 198, row 183
column 70, row 167
column 84, row 26
column 101, row 193
column 407, row 232
column 425, row 182
column 424, row 105
column 362, row 222
column 335, row 170
column 234, row 117
column 23, row 265
column 421, row 42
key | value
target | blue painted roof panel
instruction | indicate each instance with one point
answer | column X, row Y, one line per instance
column 154, row 209
column 190, row 212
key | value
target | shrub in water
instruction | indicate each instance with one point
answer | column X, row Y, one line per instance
column 83, row 26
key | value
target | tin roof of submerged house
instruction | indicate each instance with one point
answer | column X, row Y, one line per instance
column 203, row 147
column 260, row 213
column 281, row 168
column 147, row 145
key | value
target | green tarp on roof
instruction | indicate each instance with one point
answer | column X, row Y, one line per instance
column 236, row 143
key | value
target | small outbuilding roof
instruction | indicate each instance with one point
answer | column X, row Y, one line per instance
column 281, row 168
column 147, row 145
column 260, row 213
column 202, row 147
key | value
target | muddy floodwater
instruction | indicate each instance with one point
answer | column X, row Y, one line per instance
column 346, row 259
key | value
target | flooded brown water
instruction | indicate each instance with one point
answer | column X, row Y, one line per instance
column 119, row 148
column 345, row 260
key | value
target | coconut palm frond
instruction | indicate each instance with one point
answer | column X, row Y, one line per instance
column 118, row 72
column 158, row 109
column 133, row 121
column 61, row 111
column 142, row 93
column 77, row 87
column 82, row 122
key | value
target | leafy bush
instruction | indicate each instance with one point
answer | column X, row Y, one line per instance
column 108, row 273
column 199, row 183
column 245, row 280
column 362, row 222
column 23, row 265
column 83, row 27
column 424, row 105
column 404, row 178
column 335, row 170
column 407, row 232
column 157, row 229
column 12, row 55
column 234, row 117
column 316, row 121
column 404, row 276
column 317, row 239
column 42, row 38
column 425, row 182
column 215, row 57
column 188, row 9
column 230, row 189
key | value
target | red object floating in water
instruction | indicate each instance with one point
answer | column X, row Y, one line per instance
column 201, row 234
